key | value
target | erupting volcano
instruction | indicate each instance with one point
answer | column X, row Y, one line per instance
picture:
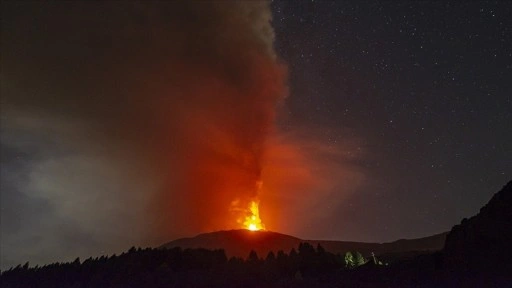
column 253, row 221
column 247, row 210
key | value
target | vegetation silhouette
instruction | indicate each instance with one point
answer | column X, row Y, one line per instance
column 176, row 267
column 476, row 254
column 305, row 267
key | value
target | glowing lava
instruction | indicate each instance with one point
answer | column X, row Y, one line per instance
column 253, row 221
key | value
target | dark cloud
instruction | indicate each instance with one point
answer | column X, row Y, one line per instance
column 138, row 122
column 154, row 115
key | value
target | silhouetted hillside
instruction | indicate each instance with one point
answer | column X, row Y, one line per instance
column 240, row 242
column 175, row 267
column 485, row 240
column 430, row 244
column 476, row 254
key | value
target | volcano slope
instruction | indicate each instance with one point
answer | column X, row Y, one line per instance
column 239, row 243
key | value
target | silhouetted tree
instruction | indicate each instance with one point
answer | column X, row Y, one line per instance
column 253, row 257
column 306, row 250
column 349, row 260
column 319, row 249
column 359, row 259
column 271, row 257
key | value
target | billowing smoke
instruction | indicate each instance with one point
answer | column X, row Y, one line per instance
column 156, row 114
column 132, row 123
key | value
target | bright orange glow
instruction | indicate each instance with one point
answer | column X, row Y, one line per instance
column 253, row 221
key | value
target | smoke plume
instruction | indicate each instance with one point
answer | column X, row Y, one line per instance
column 153, row 114
column 131, row 123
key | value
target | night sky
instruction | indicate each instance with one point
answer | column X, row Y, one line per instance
column 131, row 124
column 425, row 87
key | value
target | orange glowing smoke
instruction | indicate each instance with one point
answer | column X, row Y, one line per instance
column 253, row 221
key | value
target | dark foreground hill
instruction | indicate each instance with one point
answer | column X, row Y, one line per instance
column 239, row 243
column 484, row 241
column 477, row 254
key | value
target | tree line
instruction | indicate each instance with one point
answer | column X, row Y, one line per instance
column 175, row 267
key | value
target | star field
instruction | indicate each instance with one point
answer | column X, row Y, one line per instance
column 426, row 89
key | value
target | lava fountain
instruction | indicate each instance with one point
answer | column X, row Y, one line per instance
column 253, row 221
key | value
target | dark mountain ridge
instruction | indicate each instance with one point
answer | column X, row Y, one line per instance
column 483, row 241
column 476, row 254
column 239, row 243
